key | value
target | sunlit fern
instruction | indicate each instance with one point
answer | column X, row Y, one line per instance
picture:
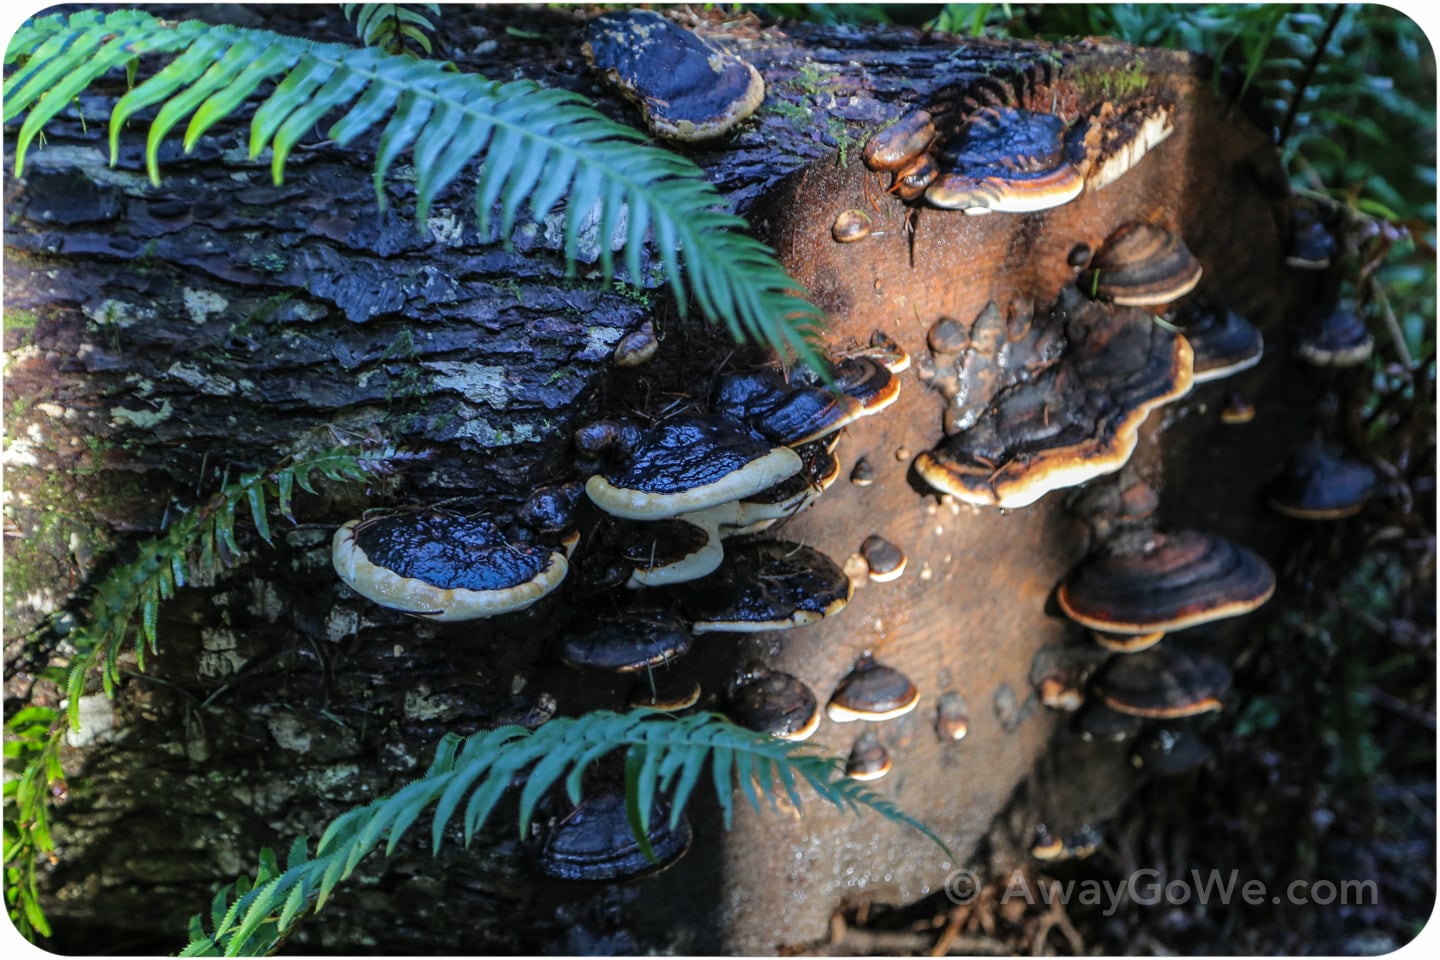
column 538, row 145
column 389, row 25
column 665, row 755
column 197, row 546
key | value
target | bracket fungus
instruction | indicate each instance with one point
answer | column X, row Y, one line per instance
column 952, row 717
column 1334, row 336
column 686, row 88
column 1163, row 683
column 1224, row 342
column 1318, row 481
column 1141, row 265
column 872, row 691
column 1144, row 581
column 688, row 463
column 1116, row 138
column 1077, row 419
column 773, row 702
column 1006, row 160
column 674, row 550
column 765, row 585
column 1170, row 749
column 799, row 411
column 627, row 641
column 868, row 760
column 443, row 567
column 596, row 842
column 883, row 559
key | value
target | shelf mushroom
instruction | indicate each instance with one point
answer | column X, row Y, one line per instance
column 765, row 585
column 595, row 842
column 773, row 702
column 1076, row 420
column 1164, row 683
column 1141, row 265
column 1320, row 482
column 687, row 89
column 689, row 463
column 1224, row 342
column 1144, row 581
column 628, row 641
column 1006, row 160
column 443, row 567
column 872, row 691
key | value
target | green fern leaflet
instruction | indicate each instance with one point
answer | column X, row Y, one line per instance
column 466, row 780
column 539, row 146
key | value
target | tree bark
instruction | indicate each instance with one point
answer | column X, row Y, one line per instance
column 160, row 339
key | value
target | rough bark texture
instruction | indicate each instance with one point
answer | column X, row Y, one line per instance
column 158, row 338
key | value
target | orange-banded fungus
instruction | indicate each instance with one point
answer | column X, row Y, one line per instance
column 552, row 508
column 689, row 463
column 952, row 716
column 912, row 179
column 863, row 473
column 1115, row 138
column 443, row 567
column 947, row 335
column 785, row 499
column 673, row 550
column 1058, row 675
column 638, row 347
column 1237, row 409
column 765, row 585
column 663, row 690
column 886, row 351
column 595, row 842
column 1318, row 481
column 627, row 641
column 1140, row 265
column 1163, row 683
column 1334, row 336
column 773, row 702
column 899, row 144
column 1077, row 845
column 868, row 760
column 687, row 89
column 1127, row 642
column 1075, row 420
column 798, row 412
column 871, row 691
column 850, row 225
column 1006, row 160
column 1312, row 245
column 1170, row 749
column 885, row 561
column 1224, row 342
column 1145, row 581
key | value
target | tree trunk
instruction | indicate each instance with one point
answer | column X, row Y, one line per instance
column 161, row 339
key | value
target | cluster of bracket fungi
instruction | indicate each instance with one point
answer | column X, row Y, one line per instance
column 1040, row 400
column 676, row 512
column 679, row 509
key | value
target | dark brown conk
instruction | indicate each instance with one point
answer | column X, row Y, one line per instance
column 442, row 566
column 688, row 463
column 1146, row 581
column 1116, row 137
column 1224, row 342
column 1312, row 246
column 872, row 691
column 1077, row 419
column 765, row 585
column 901, row 143
column 1005, row 160
column 1319, row 481
column 687, row 89
column 595, row 842
column 627, row 641
column 868, row 760
column 1163, row 683
column 773, row 702
column 674, row 550
column 1334, row 336
column 1171, row 748
column 1141, row 265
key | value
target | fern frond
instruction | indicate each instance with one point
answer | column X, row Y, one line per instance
column 657, row 745
column 546, row 151
column 388, row 25
column 197, row 545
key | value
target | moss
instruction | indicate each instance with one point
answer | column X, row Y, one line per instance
column 796, row 114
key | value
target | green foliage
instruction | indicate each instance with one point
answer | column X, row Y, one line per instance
column 664, row 755
column 198, row 546
column 389, row 25
column 539, row 146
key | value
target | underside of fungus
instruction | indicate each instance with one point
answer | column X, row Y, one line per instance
column 1078, row 419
